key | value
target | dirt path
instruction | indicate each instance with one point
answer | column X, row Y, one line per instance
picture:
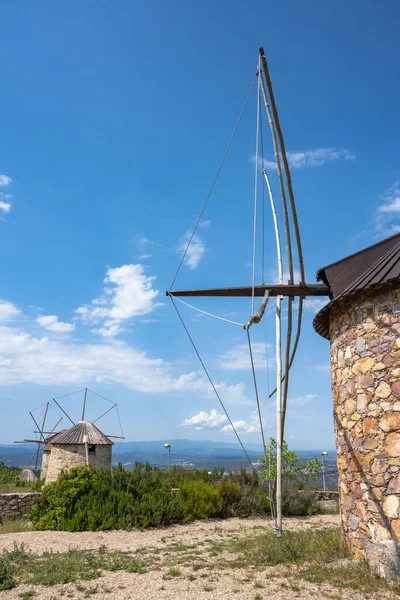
column 196, row 575
column 130, row 541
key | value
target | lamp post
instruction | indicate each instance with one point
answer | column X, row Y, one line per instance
column 324, row 453
column 168, row 446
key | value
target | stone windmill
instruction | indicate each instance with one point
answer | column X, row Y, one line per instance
column 362, row 321
column 82, row 444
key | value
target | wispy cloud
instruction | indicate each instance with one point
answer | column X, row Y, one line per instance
column 51, row 323
column 204, row 420
column 8, row 311
column 195, row 251
column 386, row 220
column 315, row 304
column 326, row 367
column 5, row 205
column 241, row 426
column 4, row 180
column 238, row 358
column 302, row 400
column 128, row 293
column 214, row 420
column 314, row 157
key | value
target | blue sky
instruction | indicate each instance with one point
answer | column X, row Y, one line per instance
column 114, row 116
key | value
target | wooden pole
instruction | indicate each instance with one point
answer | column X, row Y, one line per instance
column 278, row 419
column 84, row 405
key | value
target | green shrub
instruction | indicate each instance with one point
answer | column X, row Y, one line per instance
column 202, row 500
column 7, row 581
column 298, row 503
column 58, row 499
column 84, row 499
column 9, row 474
column 253, row 501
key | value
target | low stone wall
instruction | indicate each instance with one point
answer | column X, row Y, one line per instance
column 16, row 505
column 321, row 496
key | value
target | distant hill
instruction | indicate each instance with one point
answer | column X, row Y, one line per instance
column 188, row 453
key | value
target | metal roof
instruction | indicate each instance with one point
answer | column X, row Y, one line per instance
column 51, row 440
column 365, row 269
column 83, row 431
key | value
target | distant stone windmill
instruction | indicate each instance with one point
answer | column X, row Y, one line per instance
column 81, row 444
column 362, row 321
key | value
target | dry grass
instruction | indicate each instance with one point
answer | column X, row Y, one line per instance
column 305, row 563
column 16, row 526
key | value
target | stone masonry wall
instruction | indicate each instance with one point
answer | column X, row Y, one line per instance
column 16, row 505
column 365, row 362
column 45, row 464
column 66, row 456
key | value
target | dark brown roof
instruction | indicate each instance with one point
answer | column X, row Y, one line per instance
column 367, row 268
column 51, row 440
column 83, row 431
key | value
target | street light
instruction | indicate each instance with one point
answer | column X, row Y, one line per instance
column 324, row 453
column 168, row 447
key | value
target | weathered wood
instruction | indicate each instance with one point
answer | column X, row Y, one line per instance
column 313, row 289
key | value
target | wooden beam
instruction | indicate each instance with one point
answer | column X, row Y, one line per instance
column 313, row 289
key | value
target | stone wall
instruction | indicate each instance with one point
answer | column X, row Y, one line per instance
column 66, row 456
column 16, row 505
column 45, row 464
column 365, row 359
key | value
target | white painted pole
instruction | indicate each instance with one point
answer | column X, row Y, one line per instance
column 278, row 367
column 85, row 441
column 278, row 323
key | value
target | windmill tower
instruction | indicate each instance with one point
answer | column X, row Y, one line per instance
column 82, row 444
column 362, row 322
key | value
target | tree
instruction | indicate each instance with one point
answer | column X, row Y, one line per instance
column 294, row 470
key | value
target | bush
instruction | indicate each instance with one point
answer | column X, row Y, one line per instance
column 7, row 581
column 202, row 500
column 298, row 503
column 87, row 500
column 9, row 474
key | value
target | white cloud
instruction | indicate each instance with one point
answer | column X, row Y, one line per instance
column 8, row 311
column 315, row 304
column 204, row 420
column 26, row 358
column 302, row 400
column 391, row 200
column 195, row 251
column 326, row 367
column 4, row 180
column 51, row 323
column 238, row 358
column 5, row 206
column 107, row 331
column 128, row 293
column 241, row 426
column 387, row 214
column 314, row 157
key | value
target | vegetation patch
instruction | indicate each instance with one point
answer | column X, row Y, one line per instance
column 296, row 547
column 16, row 525
column 20, row 566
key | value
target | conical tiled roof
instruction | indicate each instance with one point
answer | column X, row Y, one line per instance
column 368, row 268
column 83, row 431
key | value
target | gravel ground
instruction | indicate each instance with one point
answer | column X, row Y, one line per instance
column 129, row 541
column 209, row 583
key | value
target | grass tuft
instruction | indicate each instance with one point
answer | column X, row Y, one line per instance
column 16, row 526
column 292, row 548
